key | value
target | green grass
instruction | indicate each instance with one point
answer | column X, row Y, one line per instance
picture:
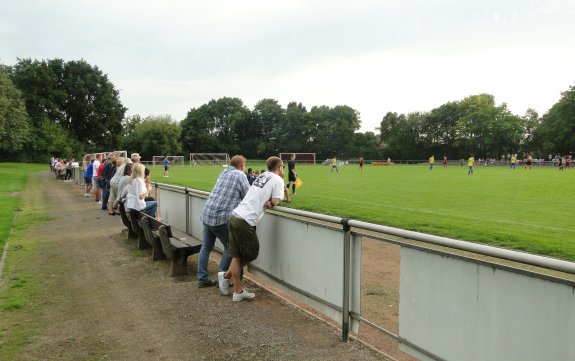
column 524, row 210
column 13, row 178
column 20, row 303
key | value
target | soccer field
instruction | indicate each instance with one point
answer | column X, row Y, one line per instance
column 523, row 210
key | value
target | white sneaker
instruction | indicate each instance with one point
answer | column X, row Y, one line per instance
column 99, row 202
column 86, row 195
column 245, row 295
column 223, row 284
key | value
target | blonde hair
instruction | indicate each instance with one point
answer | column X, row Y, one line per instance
column 137, row 172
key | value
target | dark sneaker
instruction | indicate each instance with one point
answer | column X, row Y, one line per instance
column 208, row 283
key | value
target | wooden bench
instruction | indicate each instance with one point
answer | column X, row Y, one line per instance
column 135, row 217
column 151, row 227
column 126, row 220
column 165, row 241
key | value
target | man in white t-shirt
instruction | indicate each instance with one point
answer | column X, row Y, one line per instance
column 243, row 245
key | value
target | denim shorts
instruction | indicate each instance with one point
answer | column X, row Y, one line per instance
column 243, row 242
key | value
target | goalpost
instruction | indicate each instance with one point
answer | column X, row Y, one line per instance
column 307, row 158
column 177, row 160
column 209, row 159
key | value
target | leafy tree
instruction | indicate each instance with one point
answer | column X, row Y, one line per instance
column 92, row 108
column 14, row 121
column 391, row 134
column 532, row 122
column 128, row 127
column 556, row 134
column 366, row 145
column 270, row 115
column 76, row 96
column 294, row 135
column 198, row 131
column 439, row 129
column 157, row 135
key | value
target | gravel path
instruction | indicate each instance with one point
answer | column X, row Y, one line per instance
column 104, row 300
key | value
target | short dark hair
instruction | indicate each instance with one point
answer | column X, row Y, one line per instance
column 273, row 163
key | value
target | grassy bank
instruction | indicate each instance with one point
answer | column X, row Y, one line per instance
column 19, row 304
column 13, row 178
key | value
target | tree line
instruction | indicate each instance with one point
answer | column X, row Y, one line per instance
column 57, row 108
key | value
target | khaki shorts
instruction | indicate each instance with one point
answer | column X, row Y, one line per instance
column 243, row 242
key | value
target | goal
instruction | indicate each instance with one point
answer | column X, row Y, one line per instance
column 177, row 160
column 307, row 158
column 209, row 159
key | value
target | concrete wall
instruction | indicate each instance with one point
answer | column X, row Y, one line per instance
column 460, row 310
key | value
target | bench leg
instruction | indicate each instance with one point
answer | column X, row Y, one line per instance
column 142, row 243
column 179, row 263
column 131, row 233
column 157, row 251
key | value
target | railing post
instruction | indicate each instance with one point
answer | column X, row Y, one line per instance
column 187, row 211
column 346, row 272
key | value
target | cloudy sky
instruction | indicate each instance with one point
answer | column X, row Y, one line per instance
column 166, row 57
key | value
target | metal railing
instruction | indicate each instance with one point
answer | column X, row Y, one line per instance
column 440, row 252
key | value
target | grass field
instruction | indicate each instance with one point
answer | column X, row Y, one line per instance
column 530, row 211
column 13, row 178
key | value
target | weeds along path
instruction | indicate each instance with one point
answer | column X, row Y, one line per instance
column 95, row 297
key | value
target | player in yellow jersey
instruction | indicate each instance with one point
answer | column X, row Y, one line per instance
column 431, row 161
column 470, row 163
column 334, row 165
column 513, row 162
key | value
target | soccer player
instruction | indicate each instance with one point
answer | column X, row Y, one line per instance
column 470, row 163
column 361, row 163
column 444, row 161
column 431, row 161
column 166, row 166
column 334, row 165
column 513, row 162
column 529, row 161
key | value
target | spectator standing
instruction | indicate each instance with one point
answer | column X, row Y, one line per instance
column 88, row 177
column 123, row 183
column 107, row 173
column 266, row 192
column 95, row 167
column 231, row 187
column 251, row 176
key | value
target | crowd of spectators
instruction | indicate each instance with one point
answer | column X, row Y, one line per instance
column 109, row 178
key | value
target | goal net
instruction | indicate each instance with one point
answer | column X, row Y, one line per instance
column 209, row 159
column 177, row 160
column 306, row 158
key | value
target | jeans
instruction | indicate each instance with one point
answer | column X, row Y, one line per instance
column 210, row 235
column 105, row 193
column 150, row 209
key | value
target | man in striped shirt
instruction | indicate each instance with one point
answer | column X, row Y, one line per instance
column 231, row 187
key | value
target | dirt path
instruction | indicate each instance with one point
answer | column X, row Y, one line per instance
column 104, row 300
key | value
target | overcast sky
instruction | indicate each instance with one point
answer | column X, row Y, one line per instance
column 167, row 57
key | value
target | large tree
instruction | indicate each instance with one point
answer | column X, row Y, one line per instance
column 556, row 134
column 14, row 121
column 156, row 135
column 75, row 96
